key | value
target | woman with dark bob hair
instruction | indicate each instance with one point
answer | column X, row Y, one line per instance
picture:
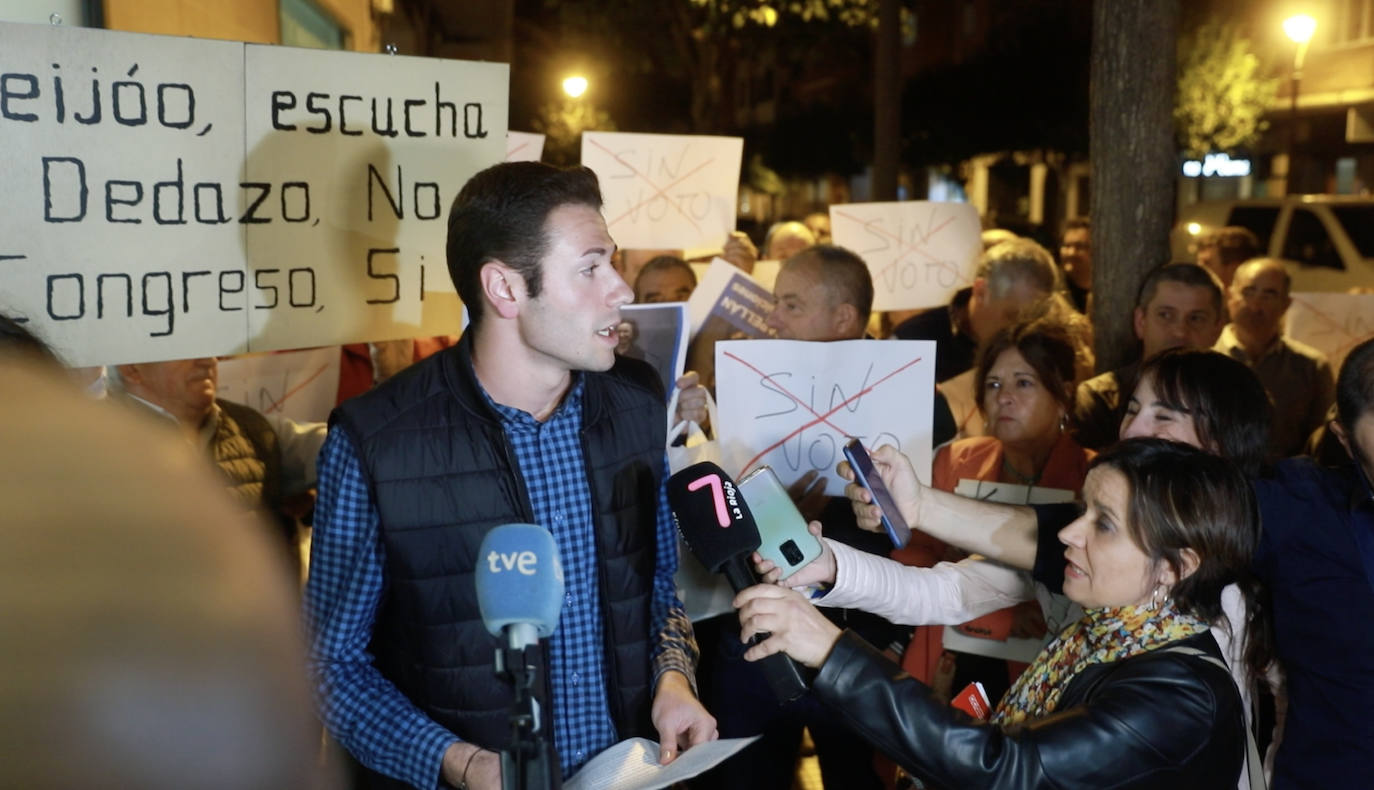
column 1205, row 399
column 1133, row 694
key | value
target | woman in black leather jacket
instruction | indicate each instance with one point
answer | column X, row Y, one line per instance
column 1134, row 695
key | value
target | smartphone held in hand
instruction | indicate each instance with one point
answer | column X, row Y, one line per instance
column 785, row 540
column 867, row 476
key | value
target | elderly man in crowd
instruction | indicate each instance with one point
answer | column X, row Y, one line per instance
column 1298, row 377
column 266, row 461
column 1012, row 276
column 1179, row 305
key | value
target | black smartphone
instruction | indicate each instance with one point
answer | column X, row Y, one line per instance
column 869, row 478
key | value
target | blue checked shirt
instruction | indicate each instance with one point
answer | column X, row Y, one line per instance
column 366, row 713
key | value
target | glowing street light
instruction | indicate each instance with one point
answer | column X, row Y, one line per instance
column 575, row 86
column 1299, row 28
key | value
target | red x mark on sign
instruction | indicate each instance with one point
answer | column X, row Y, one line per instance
column 905, row 248
column 275, row 405
column 1349, row 339
column 658, row 191
column 819, row 417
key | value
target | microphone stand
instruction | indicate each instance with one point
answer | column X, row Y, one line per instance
column 525, row 763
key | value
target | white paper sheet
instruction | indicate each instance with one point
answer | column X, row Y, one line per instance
column 633, row 765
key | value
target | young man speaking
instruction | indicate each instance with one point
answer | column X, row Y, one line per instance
column 530, row 418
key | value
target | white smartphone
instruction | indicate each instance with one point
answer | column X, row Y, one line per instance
column 785, row 540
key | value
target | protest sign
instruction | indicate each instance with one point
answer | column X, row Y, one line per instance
column 302, row 385
column 727, row 304
column 524, row 147
column 660, row 190
column 172, row 197
column 657, row 334
column 792, row 405
column 1332, row 323
column 918, row 252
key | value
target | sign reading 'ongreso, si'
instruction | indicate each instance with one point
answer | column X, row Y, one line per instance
column 168, row 198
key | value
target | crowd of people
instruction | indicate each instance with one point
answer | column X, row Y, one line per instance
column 1149, row 580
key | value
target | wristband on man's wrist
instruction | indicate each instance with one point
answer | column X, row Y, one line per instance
column 463, row 781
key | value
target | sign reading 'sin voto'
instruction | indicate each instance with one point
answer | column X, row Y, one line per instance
column 171, row 198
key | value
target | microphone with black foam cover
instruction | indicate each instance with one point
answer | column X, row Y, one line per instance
column 519, row 583
column 715, row 522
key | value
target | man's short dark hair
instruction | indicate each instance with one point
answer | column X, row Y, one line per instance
column 500, row 215
column 1355, row 387
column 1189, row 274
column 845, row 275
column 1078, row 223
column 663, row 263
column 1234, row 243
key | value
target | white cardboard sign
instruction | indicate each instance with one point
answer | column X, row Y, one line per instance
column 174, row 197
column 302, row 385
column 918, row 252
column 524, row 147
column 792, row 405
column 1332, row 323
column 666, row 191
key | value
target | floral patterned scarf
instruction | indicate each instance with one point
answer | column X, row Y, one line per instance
column 1100, row 637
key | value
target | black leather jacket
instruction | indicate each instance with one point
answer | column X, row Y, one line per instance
column 1162, row 719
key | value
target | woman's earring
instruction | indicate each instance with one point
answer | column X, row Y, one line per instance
column 1063, row 421
column 1154, row 599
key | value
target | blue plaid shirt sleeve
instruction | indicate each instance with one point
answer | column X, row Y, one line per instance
column 362, row 710
column 676, row 647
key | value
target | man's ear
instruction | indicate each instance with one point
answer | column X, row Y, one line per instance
column 1138, row 321
column 502, row 288
column 846, row 321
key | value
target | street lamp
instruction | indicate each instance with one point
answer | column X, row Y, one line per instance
column 575, row 86
column 1299, row 28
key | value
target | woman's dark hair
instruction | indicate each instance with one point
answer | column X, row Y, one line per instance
column 1047, row 346
column 1231, row 411
column 1181, row 498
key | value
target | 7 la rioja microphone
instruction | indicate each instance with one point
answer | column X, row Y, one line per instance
column 716, row 524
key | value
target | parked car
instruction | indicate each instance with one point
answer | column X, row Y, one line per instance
column 1327, row 241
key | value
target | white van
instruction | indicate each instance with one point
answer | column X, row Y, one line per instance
column 1327, row 241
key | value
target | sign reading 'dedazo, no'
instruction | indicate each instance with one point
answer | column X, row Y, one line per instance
column 919, row 252
column 792, row 405
column 172, row 197
column 666, row 191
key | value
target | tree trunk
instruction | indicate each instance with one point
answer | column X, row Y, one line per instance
column 1133, row 161
column 887, row 101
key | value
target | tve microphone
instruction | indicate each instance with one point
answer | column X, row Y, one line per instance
column 519, row 583
column 520, row 593
column 719, row 529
